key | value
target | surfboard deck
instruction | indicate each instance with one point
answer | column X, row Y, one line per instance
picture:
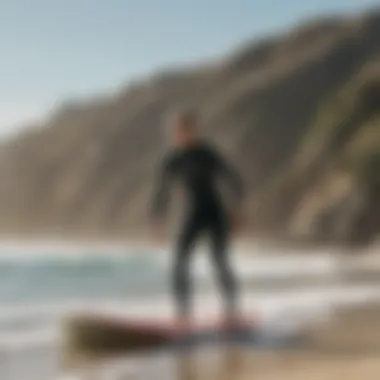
column 97, row 332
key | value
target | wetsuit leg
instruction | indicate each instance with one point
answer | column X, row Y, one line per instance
column 219, row 231
column 184, row 247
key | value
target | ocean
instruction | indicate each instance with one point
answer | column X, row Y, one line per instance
column 42, row 283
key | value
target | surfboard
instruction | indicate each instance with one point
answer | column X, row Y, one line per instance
column 112, row 333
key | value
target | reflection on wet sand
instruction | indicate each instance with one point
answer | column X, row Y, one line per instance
column 227, row 364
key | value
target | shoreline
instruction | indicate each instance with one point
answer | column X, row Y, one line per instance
column 145, row 240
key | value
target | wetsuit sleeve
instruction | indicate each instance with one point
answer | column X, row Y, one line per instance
column 230, row 175
column 161, row 192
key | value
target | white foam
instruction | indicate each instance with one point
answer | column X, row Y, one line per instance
column 308, row 296
column 16, row 341
column 283, row 265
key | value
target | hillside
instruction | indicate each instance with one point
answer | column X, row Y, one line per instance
column 274, row 106
column 330, row 190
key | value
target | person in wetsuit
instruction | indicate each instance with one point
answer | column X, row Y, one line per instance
column 198, row 166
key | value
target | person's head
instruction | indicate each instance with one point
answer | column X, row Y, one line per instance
column 183, row 128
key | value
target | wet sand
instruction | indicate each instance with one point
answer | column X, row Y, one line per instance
column 347, row 348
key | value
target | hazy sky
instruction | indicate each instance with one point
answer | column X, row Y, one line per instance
column 55, row 49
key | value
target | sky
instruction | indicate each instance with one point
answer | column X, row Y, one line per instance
column 53, row 50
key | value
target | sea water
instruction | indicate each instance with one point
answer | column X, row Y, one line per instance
column 42, row 283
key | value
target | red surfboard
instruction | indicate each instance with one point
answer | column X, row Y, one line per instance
column 96, row 332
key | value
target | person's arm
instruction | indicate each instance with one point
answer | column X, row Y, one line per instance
column 160, row 198
column 232, row 177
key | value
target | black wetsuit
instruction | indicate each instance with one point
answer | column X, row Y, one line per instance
column 198, row 169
